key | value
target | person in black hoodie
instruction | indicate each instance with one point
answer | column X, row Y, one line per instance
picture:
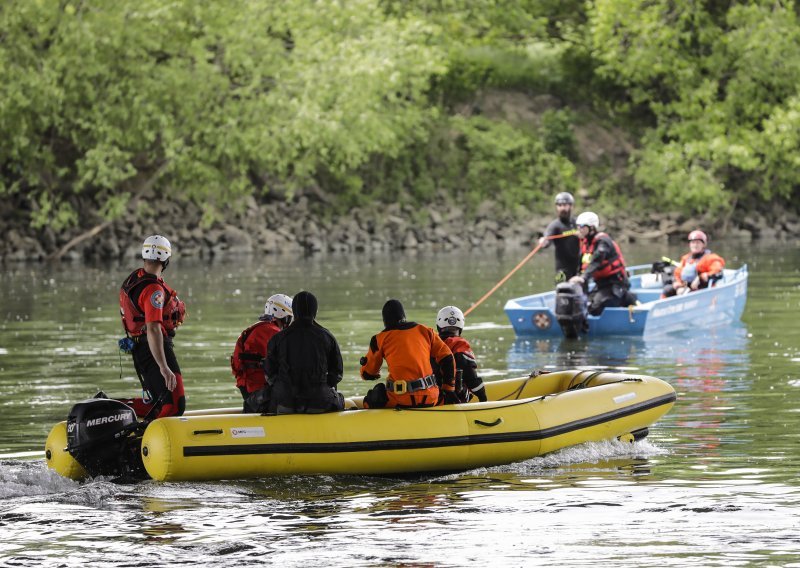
column 304, row 364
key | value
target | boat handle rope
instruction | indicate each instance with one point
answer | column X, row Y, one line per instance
column 584, row 382
column 489, row 424
column 515, row 393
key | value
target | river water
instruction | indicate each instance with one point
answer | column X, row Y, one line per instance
column 715, row 484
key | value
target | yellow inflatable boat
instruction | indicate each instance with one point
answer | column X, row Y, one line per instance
column 523, row 418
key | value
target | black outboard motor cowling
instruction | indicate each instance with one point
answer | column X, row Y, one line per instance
column 102, row 437
column 571, row 309
column 666, row 271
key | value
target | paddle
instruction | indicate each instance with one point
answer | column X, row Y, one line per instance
column 518, row 266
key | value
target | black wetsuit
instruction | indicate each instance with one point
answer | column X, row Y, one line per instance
column 567, row 252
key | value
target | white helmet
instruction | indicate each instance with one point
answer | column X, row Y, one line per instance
column 588, row 219
column 450, row 316
column 156, row 247
column 278, row 306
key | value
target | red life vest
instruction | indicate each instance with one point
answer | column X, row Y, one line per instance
column 458, row 344
column 174, row 311
column 248, row 355
column 609, row 266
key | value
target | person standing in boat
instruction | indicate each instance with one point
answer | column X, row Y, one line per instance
column 408, row 349
column 304, row 364
column 601, row 261
column 567, row 249
column 247, row 361
column 450, row 325
column 698, row 269
column 151, row 312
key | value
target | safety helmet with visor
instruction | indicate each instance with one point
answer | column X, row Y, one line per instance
column 450, row 316
column 588, row 219
column 156, row 247
column 278, row 307
column 698, row 236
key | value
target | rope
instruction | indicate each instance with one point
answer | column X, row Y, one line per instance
column 517, row 267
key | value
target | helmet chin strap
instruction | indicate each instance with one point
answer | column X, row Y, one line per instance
column 164, row 264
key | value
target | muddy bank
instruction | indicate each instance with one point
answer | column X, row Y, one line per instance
column 302, row 226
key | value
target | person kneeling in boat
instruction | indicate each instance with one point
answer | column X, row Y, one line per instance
column 304, row 364
column 698, row 269
column 247, row 361
column 602, row 261
column 408, row 349
column 450, row 324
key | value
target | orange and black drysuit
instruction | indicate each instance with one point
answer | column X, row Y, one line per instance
column 145, row 298
column 602, row 261
column 408, row 349
column 466, row 367
column 247, row 361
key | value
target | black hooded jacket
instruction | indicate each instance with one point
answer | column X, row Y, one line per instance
column 303, row 362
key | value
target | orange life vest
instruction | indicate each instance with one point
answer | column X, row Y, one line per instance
column 709, row 263
column 609, row 266
column 248, row 355
column 173, row 314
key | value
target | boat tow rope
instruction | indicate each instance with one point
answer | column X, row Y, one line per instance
column 517, row 267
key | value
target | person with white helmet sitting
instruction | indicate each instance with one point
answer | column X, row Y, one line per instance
column 450, row 325
column 567, row 248
column 151, row 312
column 699, row 268
column 247, row 361
column 602, row 261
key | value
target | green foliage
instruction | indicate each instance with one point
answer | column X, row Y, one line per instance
column 506, row 164
column 218, row 100
column 101, row 101
column 719, row 83
column 557, row 134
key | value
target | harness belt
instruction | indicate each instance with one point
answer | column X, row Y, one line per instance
column 402, row 387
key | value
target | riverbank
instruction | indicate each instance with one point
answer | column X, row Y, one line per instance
column 303, row 226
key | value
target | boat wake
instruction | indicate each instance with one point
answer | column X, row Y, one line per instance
column 21, row 478
column 601, row 455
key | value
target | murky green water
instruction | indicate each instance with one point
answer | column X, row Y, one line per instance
column 716, row 483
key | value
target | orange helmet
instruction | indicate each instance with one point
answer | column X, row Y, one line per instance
column 698, row 236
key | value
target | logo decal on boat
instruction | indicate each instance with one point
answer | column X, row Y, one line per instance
column 624, row 397
column 253, row 432
column 542, row 320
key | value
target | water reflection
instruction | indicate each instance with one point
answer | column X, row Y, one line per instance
column 721, row 352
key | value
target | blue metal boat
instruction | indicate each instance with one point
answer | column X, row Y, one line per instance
column 722, row 304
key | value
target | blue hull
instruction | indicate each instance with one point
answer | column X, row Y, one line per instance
column 724, row 303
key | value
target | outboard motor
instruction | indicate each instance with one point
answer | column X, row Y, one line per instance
column 571, row 309
column 102, row 435
column 665, row 270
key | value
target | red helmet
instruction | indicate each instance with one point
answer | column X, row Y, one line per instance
column 698, row 236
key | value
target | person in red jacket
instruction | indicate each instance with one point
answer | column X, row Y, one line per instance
column 698, row 269
column 151, row 312
column 247, row 361
column 450, row 324
column 408, row 348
